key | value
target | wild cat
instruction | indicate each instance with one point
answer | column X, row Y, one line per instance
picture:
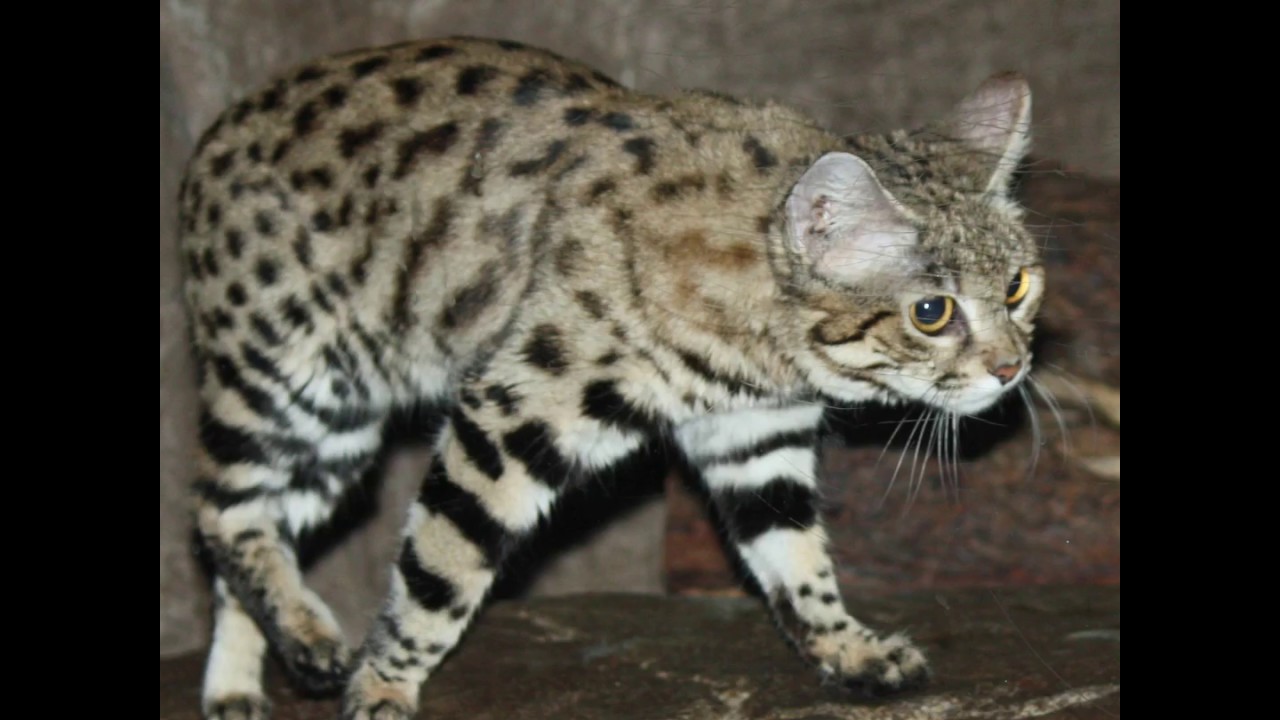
column 570, row 269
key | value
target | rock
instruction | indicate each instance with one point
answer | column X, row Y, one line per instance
column 997, row 654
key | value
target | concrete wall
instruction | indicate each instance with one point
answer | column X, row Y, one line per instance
column 855, row 65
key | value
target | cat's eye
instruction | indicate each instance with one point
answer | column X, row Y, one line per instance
column 1018, row 287
column 932, row 314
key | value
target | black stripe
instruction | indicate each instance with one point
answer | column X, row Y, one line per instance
column 257, row 399
column 806, row 439
column 434, row 234
column 476, row 444
column 442, row 496
column 819, row 335
column 428, row 589
column 228, row 445
column 732, row 382
column 780, row 503
column 222, row 498
column 532, row 444
column 602, row 401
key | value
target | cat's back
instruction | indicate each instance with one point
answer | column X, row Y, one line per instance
column 380, row 188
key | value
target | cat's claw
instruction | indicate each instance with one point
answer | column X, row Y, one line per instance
column 238, row 707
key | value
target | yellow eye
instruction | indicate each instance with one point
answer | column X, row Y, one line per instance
column 1018, row 287
column 932, row 314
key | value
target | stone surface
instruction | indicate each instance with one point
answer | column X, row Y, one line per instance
column 997, row 654
column 854, row 64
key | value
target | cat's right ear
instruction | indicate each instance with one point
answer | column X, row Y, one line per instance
column 846, row 223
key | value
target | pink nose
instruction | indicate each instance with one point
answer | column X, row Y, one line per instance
column 1007, row 372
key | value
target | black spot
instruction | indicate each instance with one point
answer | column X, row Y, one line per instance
column 510, row 45
column 618, row 121
column 435, row 141
column 804, row 591
column 828, row 598
column 254, row 151
column 780, row 503
column 470, row 301
column 470, row 399
column 577, row 116
column 236, row 294
column 530, row 87
column 528, row 167
column 407, row 90
column 295, row 312
column 364, row 67
column 321, row 177
column 602, row 401
column 321, row 220
column 592, row 303
column 840, row 625
column 281, row 148
column 576, row 83
column 336, row 284
column 302, row 247
column 223, row 319
column 760, row 155
column 235, row 242
column 642, row 148
column 532, row 445
column 609, row 358
column 672, row 189
column 270, row 99
column 504, row 397
column 222, row 163
column 600, row 187
column 210, row 262
column 264, row 329
column 264, row 222
column 371, row 176
column 486, row 138
column 304, row 121
column 434, row 52
column 344, row 210
column 213, row 215
column 310, row 73
column 429, row 590
column 545, row 349
column 352, row 139
column 267, row 271
column 242, row 110
column 441, row 496
column 471, row 79
column 335, row 96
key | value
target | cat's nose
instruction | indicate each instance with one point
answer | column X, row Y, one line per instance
column 1007, row 372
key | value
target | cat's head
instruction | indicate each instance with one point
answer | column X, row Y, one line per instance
column 921, row 281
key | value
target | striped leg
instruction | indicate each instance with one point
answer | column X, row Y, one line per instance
column 474, row 506
column 760, row 467
column 269, row 470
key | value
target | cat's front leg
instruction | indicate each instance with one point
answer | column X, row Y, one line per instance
column 760, row 468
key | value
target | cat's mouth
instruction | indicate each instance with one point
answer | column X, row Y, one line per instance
column 977, row 396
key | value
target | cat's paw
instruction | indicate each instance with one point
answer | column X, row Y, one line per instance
column 368, row 697
column 320, row 665
column 237, row 707
column 870, row 665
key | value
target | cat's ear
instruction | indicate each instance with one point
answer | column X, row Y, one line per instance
column 995, row 120
column 846, row 223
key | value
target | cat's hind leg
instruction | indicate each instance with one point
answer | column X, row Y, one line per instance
column 272, row 464
column 760, row 467
column 233, row 674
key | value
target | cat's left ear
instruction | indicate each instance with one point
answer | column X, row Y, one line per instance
column 995, row 120
column 843, row 220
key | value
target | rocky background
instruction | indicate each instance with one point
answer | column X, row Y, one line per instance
column 854, row 64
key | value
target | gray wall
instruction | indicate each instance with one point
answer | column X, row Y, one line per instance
column 856, row 64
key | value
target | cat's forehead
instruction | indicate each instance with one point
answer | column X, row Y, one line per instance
column 972, row 237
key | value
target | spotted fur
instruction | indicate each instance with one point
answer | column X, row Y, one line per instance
column 572, row 270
